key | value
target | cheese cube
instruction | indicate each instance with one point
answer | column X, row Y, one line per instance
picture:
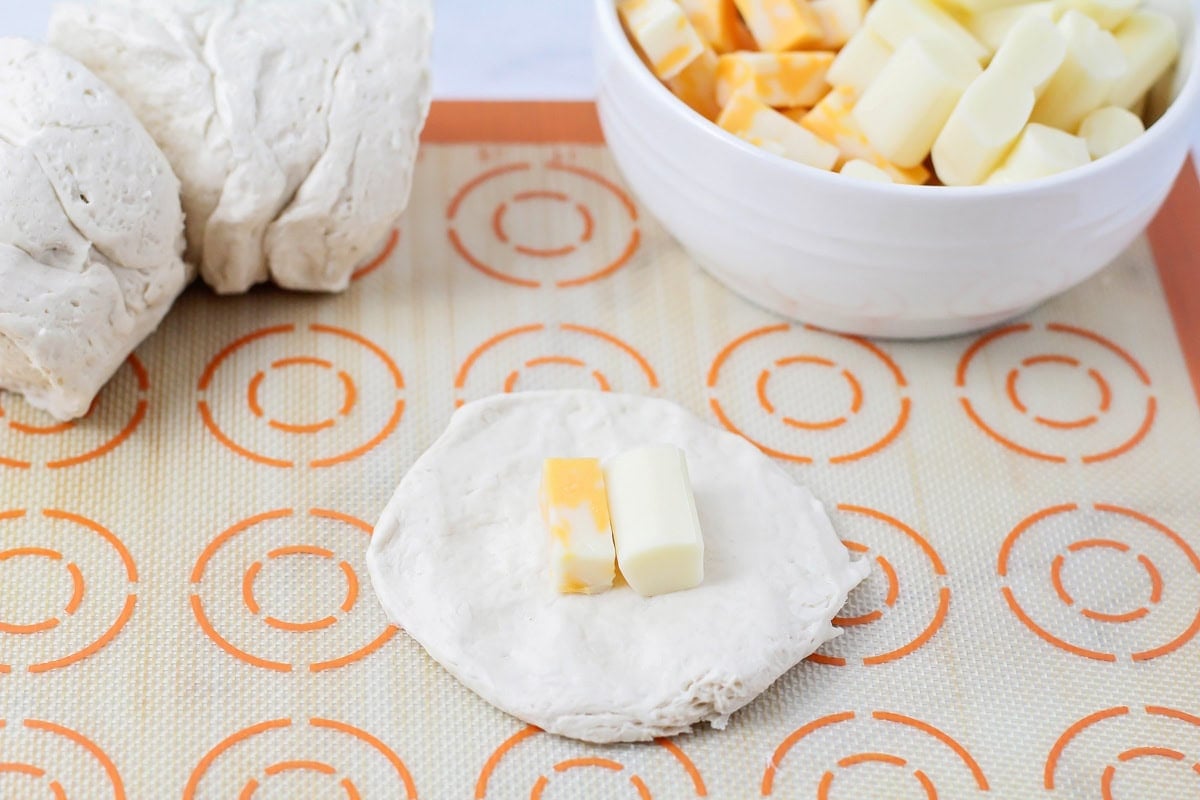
column 1089, row 73
column 897, row 21
column 968, row 8
column 697, row 85
column 1106, row 130
column 1150, row 43
column 765, row 127
column 1031, row 54
column 1108, row 14
column 991, row 28
column 663, row 32
column 1040, row 152
column 860, row 61
column 717, row 22
column 904, row 110
column 795, row 114
column 655, row 525
column 865, row 171
column 779, row 25
column 985, row 124
column 833, row 121
column 574, row 507
column 776, row 79
column 840, row 19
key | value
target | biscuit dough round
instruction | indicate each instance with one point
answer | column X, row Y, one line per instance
column 460, row 560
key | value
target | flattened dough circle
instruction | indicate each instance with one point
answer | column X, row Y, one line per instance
column 460, row 561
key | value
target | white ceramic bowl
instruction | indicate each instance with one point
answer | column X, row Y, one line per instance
column 881, row 259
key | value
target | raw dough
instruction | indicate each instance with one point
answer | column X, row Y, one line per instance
column 91, row 230
column 460, row 560
column 293, row 124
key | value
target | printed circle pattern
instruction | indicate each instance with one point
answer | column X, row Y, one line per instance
column 282, row 396
column 878, row 627
column 369, row 267
column 1119, row 585
column 529, row 763
column 31, row 438
column 1127, row 752
column 281, row 629
column 1070, row 394
column 542, row 356
column 292, row 756
column 46, row 759
column 75, row 582
column 870, row 410
column 497, row 223
column 922, row 758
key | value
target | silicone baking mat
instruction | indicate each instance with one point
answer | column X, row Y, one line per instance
column 184, row 609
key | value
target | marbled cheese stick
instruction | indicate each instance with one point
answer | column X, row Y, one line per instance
column 765, row 127
column 697, row 85
column 655, row 525
column 718, row 23
column 840, row 20
column 574, row 505
column 1150, row 43
column 776, row 79
column 833, row 121
column 860, row 61
column 663, row 32
column 904, row 110
column 1106, row 130
column 897, row 21
column 1088, row 74
column 1039, row 153
column 779, row 25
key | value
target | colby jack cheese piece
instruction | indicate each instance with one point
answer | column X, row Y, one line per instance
column 575, row 508
column 663, row 32
column 765, row 127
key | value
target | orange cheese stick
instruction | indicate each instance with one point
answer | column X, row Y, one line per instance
column 832, row 120
column 776, row 79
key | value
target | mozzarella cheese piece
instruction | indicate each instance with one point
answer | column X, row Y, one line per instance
column 840, row 20
column 1031, row 54
column 1150, row 43
column 1106, row 130
column 664, row 34
column 897, row 21
column 91, row 232
column 906, row 107
column 718, row 23
column 865, row 171
column 1041, row 151
column 574, row 507
column 1107, row 13
column 459, row 561
column 779, row 25
column 983, row 127
column 775, row 79
column 293, row 125
column 992, row 27
column 655, row 524
column 832, row 120
column 765, row 127
column 1093, row 64
column 860, row 61
column 697, row 85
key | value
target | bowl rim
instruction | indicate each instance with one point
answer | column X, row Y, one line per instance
column 1185, row 104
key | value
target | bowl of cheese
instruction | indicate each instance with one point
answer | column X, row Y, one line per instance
column 902, row 168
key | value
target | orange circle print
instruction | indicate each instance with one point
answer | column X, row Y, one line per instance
column 287, row 395
column 31, row 438
column 297, row 757
column 1069, row 394
column 516, row 222
column 1126, row 751
column 46, row 759
column 543, row 356
column 910, row 743
column 1053, row 559
column 802, row 394
column 253, row 592
column 63, row 618
column 878, row 621
column 389, row 249
column 529, row 763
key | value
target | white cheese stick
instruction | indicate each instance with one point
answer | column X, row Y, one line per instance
column 1032, row 53
column 985, row 124
column 840, row 20
column 663, row 32
column 832, row 120
column 904, row 110
column 574, row 507
column 1106, row 130
column 780, row 80
column 1108, row 14
column 765, row 127
column 991, row 28
column 860, row 61
column 865, row 171
column 655, row 525
column 897, row 21
column 1039, row 153
column 1088, row 74
column 1150, row 43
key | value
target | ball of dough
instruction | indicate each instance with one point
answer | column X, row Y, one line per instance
column 460, row 560
column 91, row 230
column 292, row 124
